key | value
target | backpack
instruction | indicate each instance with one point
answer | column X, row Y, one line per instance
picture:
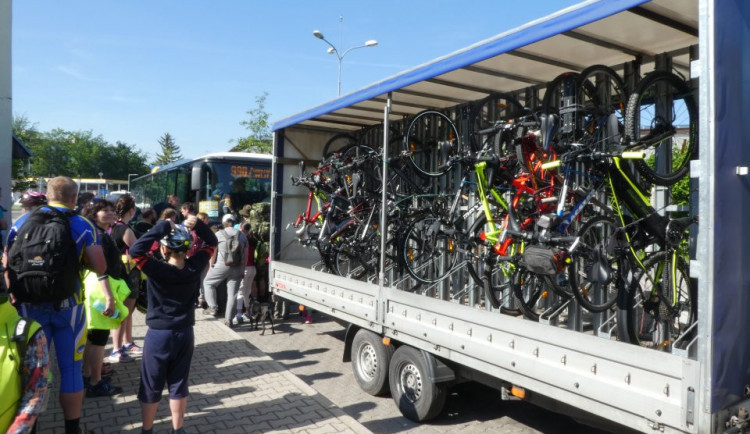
column 232, row 249
column 260, row 220
column 261, row 253
column 17, row 332
column 43, row 261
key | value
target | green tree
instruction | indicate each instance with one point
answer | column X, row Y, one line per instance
column 260, row 139
column 21, row 168
column 170, row 152
column 78, row 154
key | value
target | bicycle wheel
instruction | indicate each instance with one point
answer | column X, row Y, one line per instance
column 487, row 271
column 429, row 252
column 350, row 262
column 534, row 293
column 603, row 94
column 431, row 139
column 369, row 173
column 662, row 112
column 663, row 305
column 593, row 268
column 338, row 143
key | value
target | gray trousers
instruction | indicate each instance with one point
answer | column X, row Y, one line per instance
column 216, row 276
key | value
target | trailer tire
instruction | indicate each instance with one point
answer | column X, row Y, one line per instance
column 416, row 395
column 370, row 360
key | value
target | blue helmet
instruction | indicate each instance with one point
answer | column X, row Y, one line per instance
column 179, row 240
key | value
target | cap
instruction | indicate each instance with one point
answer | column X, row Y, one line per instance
column 227, row 218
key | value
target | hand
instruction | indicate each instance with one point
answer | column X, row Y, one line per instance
column 190, row 221
column 109, row 307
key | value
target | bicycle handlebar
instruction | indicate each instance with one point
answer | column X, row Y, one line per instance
column 596, row 155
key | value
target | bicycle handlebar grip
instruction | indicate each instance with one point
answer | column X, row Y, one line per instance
column 551, row 164
column 486, row 131
column 519, row 234
column 633, row 155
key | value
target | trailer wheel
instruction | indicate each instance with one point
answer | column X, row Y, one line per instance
column 417, row 397
column 370, row 360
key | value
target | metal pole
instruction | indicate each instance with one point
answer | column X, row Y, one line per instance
column 6, row 105
column 383, row 194
column 339, row 82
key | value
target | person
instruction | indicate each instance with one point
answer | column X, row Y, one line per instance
column 146, row 221
column 24, row 363
column 64, row 322
column 247, row 285
column 102, row 213
column 221, row 271
column 173, row 202
column 123, row 346
column 172, row 288
column 31, row 200
column 84, row 198
column 169, row 214
column 202, row 216
column 3, row 222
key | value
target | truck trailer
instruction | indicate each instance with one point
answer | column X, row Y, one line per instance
column 417, row 340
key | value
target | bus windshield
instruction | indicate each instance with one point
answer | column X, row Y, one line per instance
column 217, row 184
column 228, row 186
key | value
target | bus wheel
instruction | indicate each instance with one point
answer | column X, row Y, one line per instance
column 370, row 360
column 416, row 396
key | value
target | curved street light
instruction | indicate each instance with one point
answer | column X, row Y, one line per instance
column 340, row 56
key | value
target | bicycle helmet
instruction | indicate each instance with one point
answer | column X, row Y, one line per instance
column 33, row 198
column 179, row 240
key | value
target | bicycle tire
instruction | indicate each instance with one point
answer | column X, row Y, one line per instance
column 337, row 143
column 431, row 139
column 654, row 322
column 429, row 253
column 604, row 94
column 532, row 293
column 641, row 111
column 492, row 275
column 593, row 294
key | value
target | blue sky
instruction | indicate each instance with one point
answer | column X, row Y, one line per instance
column 133, row 70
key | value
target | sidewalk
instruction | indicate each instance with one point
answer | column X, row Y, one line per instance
column 234, row 388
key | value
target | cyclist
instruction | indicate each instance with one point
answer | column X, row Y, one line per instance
column 172, row 289
column 64, row 322
column 32, row 199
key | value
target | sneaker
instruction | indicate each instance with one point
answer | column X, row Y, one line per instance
column 245, row 317
column 119, row 356
column 239, row 319
column 133, row 349
column 210, row 311
column 102, row 388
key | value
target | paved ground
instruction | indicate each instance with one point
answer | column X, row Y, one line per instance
column 235, row 388
column 313, row 352
column 295, row 381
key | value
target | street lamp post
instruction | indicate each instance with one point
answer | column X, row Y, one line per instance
column 129, row 175
column 340, row 56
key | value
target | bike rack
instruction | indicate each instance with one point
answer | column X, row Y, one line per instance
column 550, row 315
column 607, row 327
column 688, row 347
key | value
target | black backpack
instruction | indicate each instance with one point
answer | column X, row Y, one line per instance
column 43, row 263
column 233, row 249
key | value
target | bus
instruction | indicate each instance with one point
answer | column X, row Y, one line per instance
column 218, row 183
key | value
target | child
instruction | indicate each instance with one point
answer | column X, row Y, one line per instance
column 172, row 289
